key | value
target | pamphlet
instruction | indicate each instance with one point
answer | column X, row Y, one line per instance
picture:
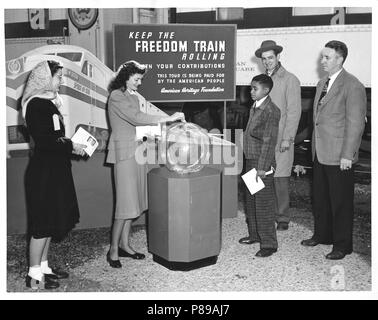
column 249, row 179
column 147, row 131
column 82, row 136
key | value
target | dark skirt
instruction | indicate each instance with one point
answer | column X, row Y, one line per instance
column 51, row 198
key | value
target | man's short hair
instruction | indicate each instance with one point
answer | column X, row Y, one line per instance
column 339, row 47
column 264, row 80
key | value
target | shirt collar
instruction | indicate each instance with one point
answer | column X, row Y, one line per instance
column 333, row 78
column 276, row 68
column 131, row 91
column 259, row 102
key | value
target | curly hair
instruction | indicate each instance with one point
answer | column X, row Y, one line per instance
column 125, row 71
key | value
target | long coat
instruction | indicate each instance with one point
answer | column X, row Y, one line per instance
column 340, row 120
column 286, row 94
column 50, row 192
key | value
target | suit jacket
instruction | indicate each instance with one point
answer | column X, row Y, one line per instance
column 124, row 115
column 260, row 136
column 286, row 94
column 339, row 121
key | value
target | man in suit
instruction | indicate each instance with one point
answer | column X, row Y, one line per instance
column 339, row 121
column 286, row 94
column 260, row 138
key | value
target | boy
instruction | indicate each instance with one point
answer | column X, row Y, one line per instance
column 260, row 138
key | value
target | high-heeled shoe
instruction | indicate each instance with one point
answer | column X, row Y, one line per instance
column 46, row 283
column 56, row 275
column 113, row 263
column 124, row 254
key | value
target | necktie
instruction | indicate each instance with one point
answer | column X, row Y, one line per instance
column 324, row 91
column 253, row 109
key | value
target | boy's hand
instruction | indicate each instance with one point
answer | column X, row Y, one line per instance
column 261, row 174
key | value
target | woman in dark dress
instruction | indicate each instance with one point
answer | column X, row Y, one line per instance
column 50, row 193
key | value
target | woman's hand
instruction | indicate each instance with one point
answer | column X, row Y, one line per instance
column 78, row 148
column 174, row 117
column 178, row 116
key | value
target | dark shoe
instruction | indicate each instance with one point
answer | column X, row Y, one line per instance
column 113, row 263
column 336, row 255
column 247, row 240
column 266, row 252
column 46, row 284
column 124, row 254
column 310, row 242
column 282, row 226
column 56, row 275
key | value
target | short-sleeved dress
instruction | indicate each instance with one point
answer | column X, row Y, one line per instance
column 50, row 192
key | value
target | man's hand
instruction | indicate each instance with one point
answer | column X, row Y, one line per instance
column 298, row 169
column 345, row 164
column 285, row 145
column 261, row 174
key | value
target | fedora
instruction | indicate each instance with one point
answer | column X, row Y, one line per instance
column 266, row 46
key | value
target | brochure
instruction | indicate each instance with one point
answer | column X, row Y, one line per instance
column 249, row 179
column 147, row 131
column 82, row 136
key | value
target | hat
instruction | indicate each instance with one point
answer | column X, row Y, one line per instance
column 266, row 46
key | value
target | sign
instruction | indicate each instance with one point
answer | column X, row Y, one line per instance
column 39, row 19
column 305, row 63
column 184, row 62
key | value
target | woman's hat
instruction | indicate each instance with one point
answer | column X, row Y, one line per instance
column 266, row 46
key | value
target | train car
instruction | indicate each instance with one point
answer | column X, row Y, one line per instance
column 84, row 92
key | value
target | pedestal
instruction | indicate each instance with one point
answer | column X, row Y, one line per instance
column 184, row 222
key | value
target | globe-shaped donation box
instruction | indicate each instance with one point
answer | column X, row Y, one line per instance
column 184, row 199
column 187, row 148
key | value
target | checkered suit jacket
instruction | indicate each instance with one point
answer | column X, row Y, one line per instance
column 260, row 136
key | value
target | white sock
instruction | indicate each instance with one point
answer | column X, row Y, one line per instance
column 36, row 273
column 45, row 267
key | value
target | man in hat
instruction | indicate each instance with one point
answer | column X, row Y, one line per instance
column 286, row 94
column 339, row 121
